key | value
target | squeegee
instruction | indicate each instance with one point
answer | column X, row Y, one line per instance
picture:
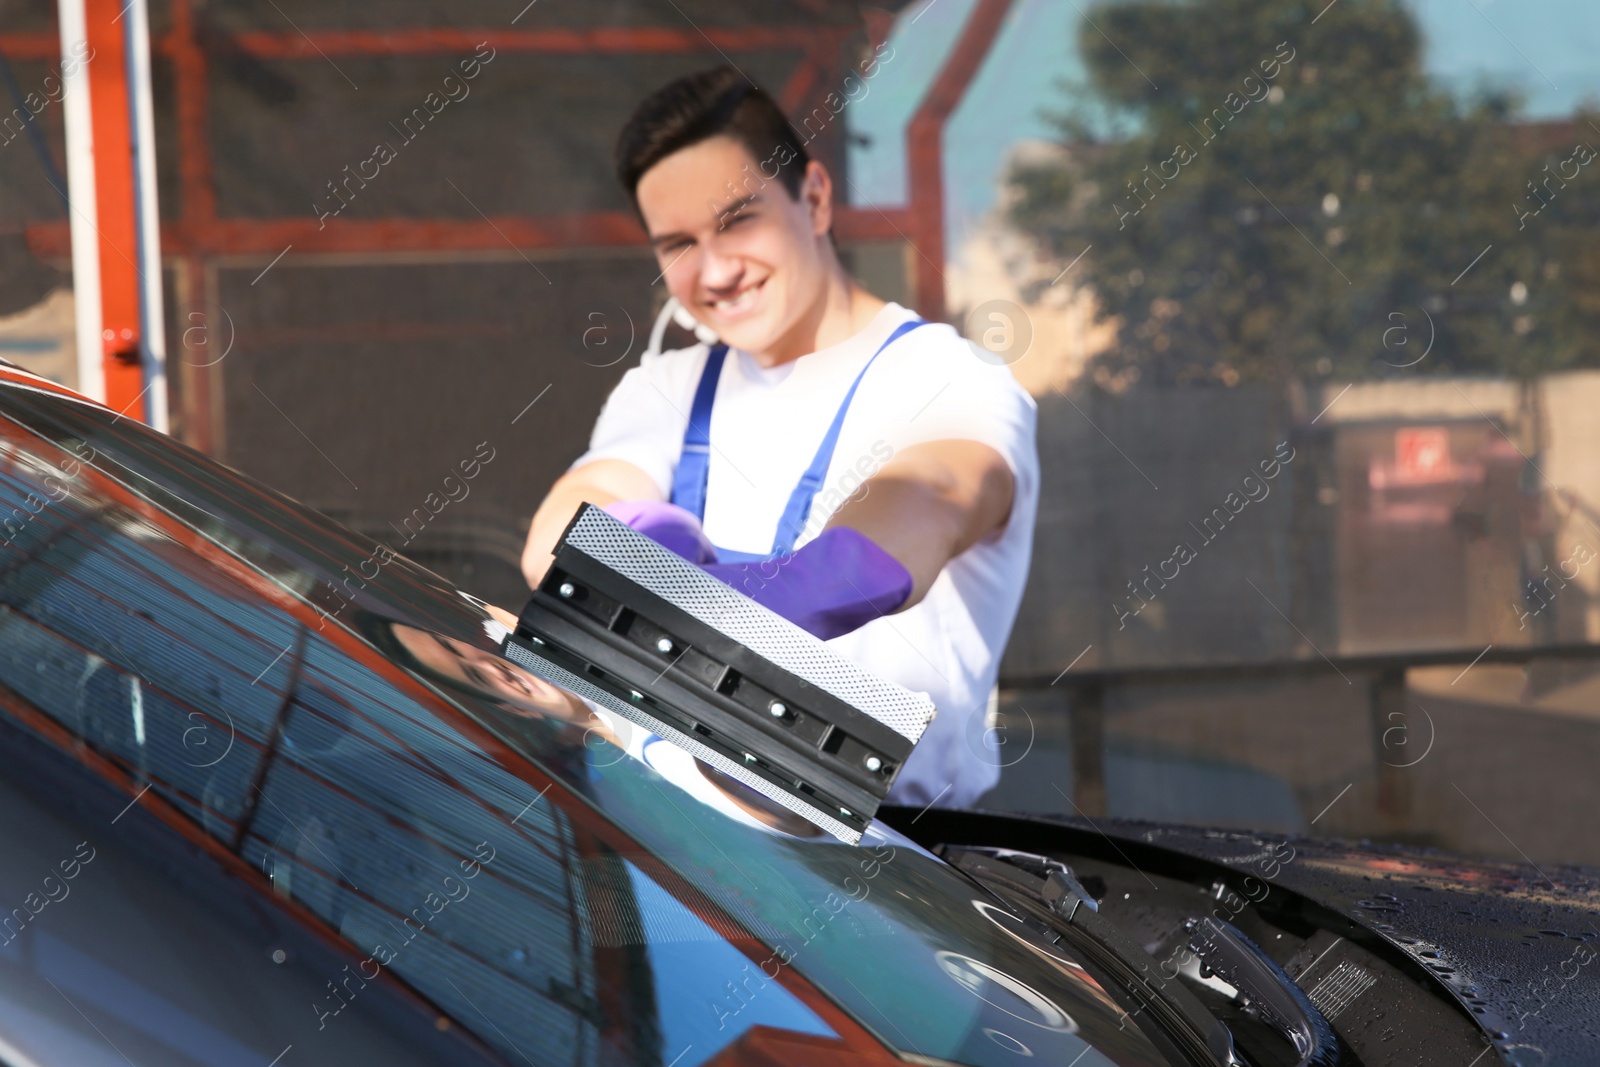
column 699, row 664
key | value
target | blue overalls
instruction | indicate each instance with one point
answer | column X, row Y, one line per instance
column 694, row 465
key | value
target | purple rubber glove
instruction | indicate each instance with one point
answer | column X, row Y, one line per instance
column 832, row 585
column 667, row 525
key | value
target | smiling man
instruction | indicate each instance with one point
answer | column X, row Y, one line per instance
column 856, row 469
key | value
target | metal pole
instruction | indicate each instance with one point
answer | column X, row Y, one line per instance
column 147, row 215
column 116, row 254
column 81, row 196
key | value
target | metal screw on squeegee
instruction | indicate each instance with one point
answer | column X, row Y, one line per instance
column 778, row 709
column 874, row 764
column 566, row 590
column 664, row 645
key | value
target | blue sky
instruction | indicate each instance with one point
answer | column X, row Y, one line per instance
column 1547, row 50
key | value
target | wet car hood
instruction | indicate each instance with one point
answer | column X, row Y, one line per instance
column 1519, row 948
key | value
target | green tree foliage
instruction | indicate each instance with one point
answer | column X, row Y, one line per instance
column 1289, row 187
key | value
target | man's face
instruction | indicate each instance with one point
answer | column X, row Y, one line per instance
column 491, row 674
column 735, row 248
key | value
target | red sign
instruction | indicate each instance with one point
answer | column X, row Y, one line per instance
column 1422, row 453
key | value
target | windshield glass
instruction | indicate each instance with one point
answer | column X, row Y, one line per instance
column 549, row 876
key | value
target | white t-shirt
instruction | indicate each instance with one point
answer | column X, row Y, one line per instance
column 766, row 425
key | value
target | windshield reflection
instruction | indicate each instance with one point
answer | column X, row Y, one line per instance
column 624, row 896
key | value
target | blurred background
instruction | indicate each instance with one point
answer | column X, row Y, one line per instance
column 1306, row 293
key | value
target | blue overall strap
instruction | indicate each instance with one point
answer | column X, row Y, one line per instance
column 694, row 465
column 798, row 509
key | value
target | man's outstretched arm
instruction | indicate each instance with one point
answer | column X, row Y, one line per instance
column 882, row 550
column 930, row 503
column 602, row 482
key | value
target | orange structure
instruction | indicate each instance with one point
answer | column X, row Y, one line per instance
column 197, row 235
column 103, row 50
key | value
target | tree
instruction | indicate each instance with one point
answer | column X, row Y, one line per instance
column 1291, row 186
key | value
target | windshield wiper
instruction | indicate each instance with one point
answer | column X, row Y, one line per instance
column 1047, row 891
column 1266, row 991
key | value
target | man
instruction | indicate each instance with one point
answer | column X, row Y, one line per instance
column 857, row 470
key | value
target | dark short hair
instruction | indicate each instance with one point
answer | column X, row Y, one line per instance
column 696, row 107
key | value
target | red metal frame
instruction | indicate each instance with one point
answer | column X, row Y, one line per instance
column 200, row 385
column 115, row 207
column 193, row 239
column 316, row 44
column 925, row 150
column 40, row 47
column 268, row 237
column 806, row 76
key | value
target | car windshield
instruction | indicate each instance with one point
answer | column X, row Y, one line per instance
column 561, row 884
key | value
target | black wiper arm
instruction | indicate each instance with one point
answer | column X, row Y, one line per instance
column 1047, row 890
column 1268, row 990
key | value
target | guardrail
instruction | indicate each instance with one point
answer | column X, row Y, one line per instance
column 1384, row 675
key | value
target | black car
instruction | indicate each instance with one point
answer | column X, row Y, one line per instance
column 270, row 794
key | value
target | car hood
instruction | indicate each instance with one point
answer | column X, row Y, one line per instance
column 1517, row 946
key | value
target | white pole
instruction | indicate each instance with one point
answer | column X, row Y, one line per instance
column 75, row 58
column 152, row 311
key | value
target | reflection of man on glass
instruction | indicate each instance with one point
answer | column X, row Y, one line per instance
column 857, row 470
column 491, row 675
column 519, row 691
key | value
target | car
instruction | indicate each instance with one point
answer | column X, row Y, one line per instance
column 272, row 794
